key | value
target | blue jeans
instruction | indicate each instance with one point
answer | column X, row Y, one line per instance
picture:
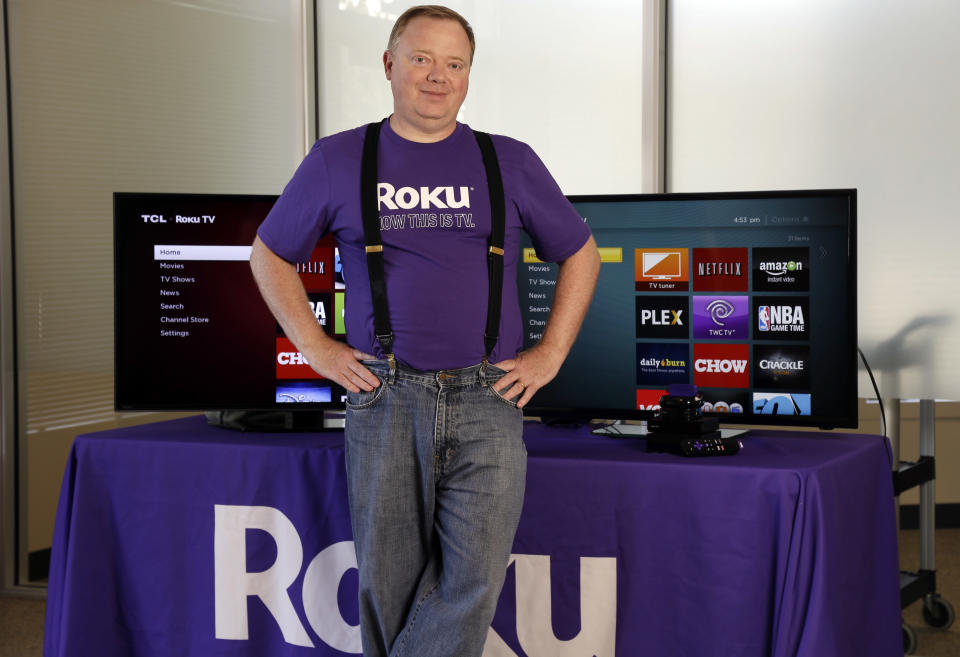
column 436, row 468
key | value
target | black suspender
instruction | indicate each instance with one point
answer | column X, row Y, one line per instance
column 374, row 244
column 371, row 235
column 495, row 250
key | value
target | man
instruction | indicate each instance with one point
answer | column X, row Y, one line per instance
column 435, row 457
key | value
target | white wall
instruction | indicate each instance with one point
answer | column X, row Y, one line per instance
column 563, row 76
column 795, row 94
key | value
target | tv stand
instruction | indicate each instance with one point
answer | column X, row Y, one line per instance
column 277, row 420
column 564, row 420
column 620, row 430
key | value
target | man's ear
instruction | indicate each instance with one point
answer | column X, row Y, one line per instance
column 387, row 63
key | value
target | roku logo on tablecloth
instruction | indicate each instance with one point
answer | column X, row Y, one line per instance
column 234, row 584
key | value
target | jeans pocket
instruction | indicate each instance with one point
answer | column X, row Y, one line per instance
column 360, row 400
column 500, row 397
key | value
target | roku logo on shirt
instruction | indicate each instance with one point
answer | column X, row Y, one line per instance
column 424, row 198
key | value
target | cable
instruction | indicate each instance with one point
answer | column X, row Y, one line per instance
column 883, row 415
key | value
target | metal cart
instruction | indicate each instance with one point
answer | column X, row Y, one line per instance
column 938, row 613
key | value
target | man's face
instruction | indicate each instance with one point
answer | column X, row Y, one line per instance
column 429, row 72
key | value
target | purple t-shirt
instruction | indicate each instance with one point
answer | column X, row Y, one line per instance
column 435, row 222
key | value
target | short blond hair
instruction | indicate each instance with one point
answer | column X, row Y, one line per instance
column 429, row 11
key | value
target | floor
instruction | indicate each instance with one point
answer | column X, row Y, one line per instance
column 21, row 627
column 930, row 642
column 21, row 620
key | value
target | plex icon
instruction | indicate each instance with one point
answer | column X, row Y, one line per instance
column 665, row 318
column 662, row 317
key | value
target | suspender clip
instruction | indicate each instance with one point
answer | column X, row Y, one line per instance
column 391, row 377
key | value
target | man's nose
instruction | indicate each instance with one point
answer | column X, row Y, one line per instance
column 437, row 74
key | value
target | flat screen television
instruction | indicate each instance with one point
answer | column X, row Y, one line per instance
column 191, row 329
column 749, row 296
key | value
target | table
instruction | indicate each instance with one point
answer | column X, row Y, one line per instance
column 177, row 538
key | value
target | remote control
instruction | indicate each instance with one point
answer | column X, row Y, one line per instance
column 709, row 446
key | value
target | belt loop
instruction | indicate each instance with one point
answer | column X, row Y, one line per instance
column 483, row 372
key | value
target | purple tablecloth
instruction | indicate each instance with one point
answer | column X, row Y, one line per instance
column 180, row 539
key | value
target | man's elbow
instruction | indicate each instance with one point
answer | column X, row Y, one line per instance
column 263, row 261
column 587, row 259
column 260, row 252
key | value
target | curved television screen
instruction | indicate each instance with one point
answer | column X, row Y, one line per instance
column 750, row 296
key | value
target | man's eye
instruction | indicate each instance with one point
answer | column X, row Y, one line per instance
column 419, row 60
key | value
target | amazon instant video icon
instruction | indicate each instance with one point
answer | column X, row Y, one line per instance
column 781, row 269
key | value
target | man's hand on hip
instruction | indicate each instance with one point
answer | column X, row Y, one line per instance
column 340, row 362
column 527, row 373
column 536, row 367
column 283, row 291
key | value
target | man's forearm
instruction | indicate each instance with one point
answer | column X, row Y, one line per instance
column 576, row 280
column 537, row 366
column 283, row 292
